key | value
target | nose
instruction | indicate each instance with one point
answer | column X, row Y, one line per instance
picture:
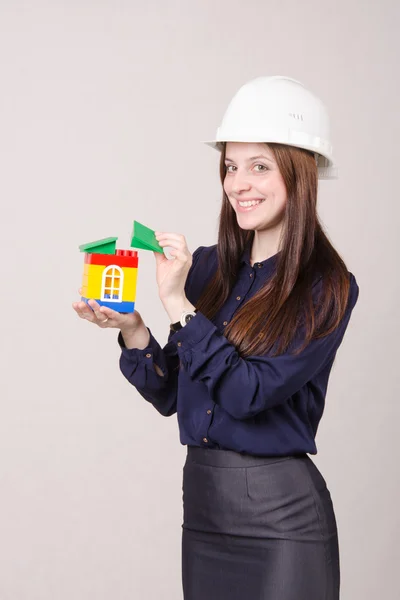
column 239, row 182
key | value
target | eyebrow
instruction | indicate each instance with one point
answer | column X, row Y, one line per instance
column 253, row 158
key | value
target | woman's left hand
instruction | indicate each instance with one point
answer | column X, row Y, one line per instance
column 172, row 273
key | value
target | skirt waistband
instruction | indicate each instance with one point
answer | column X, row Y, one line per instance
column 229, row 458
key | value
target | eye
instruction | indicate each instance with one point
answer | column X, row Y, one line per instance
column 259, row 165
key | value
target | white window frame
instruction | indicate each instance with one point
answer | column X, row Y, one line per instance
column 120, row 276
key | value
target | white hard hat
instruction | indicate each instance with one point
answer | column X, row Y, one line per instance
column 282, row 110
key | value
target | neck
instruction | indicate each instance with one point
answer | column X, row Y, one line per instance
column 265, row 245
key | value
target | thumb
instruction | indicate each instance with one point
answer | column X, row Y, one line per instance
column 158, row 256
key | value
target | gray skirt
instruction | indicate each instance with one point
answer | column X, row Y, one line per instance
column 257, row 528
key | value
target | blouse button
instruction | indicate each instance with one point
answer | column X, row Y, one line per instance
column 209, row 412
column 179, row 344
column 251, row 274
column 237, row 297
column 205, row 440
column 225, row 323
column 148, row 355
column 259, row 265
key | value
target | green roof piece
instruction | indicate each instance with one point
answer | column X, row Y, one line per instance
column 104, row 246
column 143, row 237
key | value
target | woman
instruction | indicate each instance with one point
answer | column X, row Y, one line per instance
column 256, row 322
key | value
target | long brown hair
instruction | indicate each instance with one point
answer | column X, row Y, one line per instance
column 273, row 316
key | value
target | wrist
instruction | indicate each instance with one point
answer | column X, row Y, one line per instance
column 132, row 329
column 176, row 306
column 136, row 338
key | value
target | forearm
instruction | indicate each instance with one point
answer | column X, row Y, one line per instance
column 157, row 384
column 139, row 338
column 175, row 306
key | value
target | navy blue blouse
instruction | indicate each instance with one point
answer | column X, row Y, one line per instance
column 260, row 405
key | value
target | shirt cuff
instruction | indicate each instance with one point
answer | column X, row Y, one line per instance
column 193, row 332
column 139, row 353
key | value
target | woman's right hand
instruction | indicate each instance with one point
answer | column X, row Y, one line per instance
column 105, row 317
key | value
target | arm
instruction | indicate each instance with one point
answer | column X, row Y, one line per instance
column 246, row 387
column 153, row 370
column 138, row 339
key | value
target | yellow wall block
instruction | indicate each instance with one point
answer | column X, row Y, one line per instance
column 92, row 280
column 130, row 280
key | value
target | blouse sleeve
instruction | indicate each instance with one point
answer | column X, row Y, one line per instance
column 244, row 387
column 137, row 365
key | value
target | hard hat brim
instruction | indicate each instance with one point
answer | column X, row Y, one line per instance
column 327, row 171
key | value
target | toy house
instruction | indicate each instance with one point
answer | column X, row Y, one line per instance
column 110, row 275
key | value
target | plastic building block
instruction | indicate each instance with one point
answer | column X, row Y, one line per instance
column 110, row 275
column 112, row 283
column 143, row 237
column 111, row 279
column 122, row 260
column 121, row 307
column 104, row 246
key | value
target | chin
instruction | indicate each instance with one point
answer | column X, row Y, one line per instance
column 247, row 228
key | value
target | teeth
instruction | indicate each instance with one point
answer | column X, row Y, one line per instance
column 252, row 203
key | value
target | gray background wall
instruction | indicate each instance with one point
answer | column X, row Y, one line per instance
column 102, row 109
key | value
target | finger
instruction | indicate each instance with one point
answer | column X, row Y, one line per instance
column 84, row 311
column 109, row 317
column 176, row 244
column 100, row 316
column 160, row 257
column 183, row 256
column 169, row 235
column 171, row 239
column 104, row 314
column 179, row 254
column 93, row 304
column 76, row 307
column 105, row 311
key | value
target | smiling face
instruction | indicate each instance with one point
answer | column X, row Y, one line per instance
column 252, row 173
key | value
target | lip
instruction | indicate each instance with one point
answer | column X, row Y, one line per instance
column 248, row 208
column 247, row 199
